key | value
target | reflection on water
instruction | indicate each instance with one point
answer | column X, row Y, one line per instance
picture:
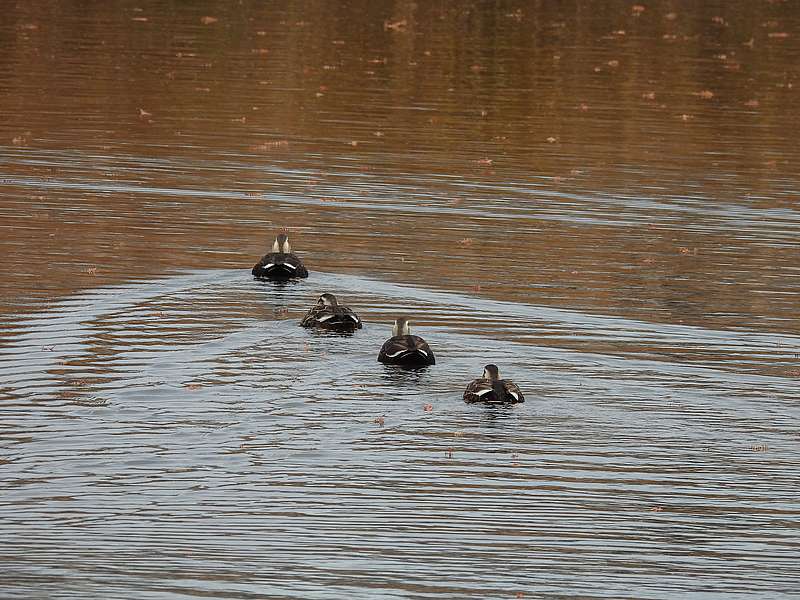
column 601, row 200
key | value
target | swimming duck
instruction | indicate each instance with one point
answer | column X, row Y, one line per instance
column 327, row 313
column 405, row 349
column 281, row 263
column 490, row 388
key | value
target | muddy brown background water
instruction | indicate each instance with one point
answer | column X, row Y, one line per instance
column 601, row 197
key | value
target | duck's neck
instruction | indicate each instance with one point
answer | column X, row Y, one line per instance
column 402, row 328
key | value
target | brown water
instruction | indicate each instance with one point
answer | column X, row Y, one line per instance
column 602, row 198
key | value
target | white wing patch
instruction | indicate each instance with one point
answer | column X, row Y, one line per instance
column 355, row 318
column 268, row 266
column 325, row 318
column 398, row 353
column 514, row 394
column 482, row 392
column 422, row 352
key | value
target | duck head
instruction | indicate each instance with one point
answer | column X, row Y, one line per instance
column 491, row 372
column 327, row 299
column 401, row 327
column 282, row 244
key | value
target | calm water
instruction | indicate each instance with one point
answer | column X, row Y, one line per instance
column 602, row 198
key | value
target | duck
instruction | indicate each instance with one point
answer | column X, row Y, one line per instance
column 327, row 313
column 405, row 349
column 280, row 263
column 490, row 388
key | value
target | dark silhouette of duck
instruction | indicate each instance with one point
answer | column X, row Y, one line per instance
column 405, row 349
column 281, row 263
column 490, row 388
column 327, row 313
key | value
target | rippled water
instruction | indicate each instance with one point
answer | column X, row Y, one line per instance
column 602, row 202
column 189, row 427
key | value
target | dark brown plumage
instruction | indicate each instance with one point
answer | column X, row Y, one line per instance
column 490, row 388
column 327, row 313
column 405, row 349
column 281, row 263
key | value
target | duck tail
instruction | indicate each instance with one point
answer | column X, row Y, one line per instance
column 500, row 391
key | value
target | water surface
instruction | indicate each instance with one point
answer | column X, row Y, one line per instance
column 601, row 199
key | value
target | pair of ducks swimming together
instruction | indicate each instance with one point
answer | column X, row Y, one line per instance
column 402, row 348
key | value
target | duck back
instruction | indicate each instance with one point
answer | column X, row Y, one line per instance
column 409, row 350
column 337, row 318
column 279, row 265
column 501, row 391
